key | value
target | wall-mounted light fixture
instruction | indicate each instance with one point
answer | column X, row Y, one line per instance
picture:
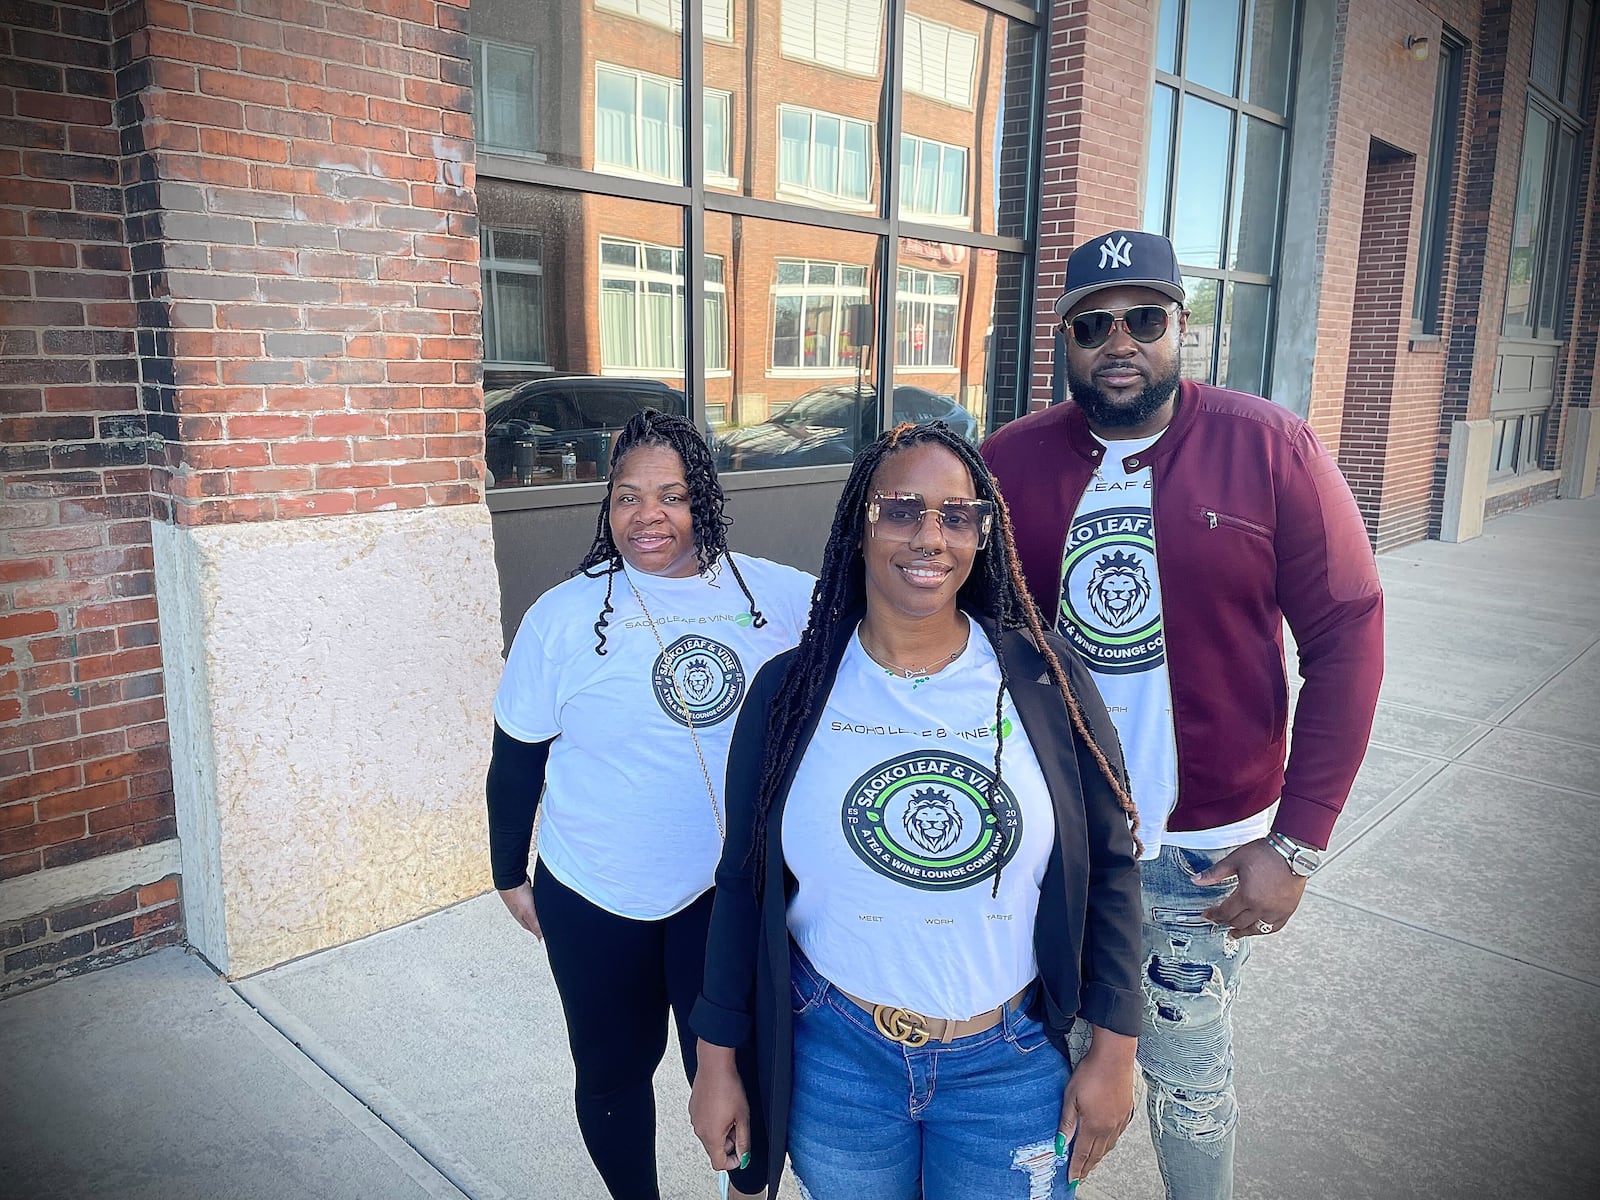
column 1417, row 47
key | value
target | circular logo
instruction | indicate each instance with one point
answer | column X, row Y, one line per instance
column 923, row 819
column 1110, row 610
column 700, row 673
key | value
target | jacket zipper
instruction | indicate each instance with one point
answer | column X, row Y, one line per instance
column 1214, row 518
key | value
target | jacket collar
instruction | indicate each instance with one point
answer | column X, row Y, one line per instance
column 1090, row 448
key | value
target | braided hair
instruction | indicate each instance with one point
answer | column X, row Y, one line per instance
column 995, row 587
column 678, row 434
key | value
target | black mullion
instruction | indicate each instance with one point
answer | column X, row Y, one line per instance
column 889, row 208
column 694, row 234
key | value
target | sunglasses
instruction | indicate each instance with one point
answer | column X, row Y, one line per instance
column 1144, row 323
column 897, row 517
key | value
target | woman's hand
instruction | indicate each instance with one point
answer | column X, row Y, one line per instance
column 1098, row 1102
column 519, row 902
column 718, row 1109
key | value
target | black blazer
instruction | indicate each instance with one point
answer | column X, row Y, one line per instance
column 1086, row 934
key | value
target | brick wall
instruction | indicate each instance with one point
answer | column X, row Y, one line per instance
column 83, row 736
column 90, row 933
column 305, row 255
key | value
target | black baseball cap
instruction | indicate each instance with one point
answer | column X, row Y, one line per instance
column 1122, row 258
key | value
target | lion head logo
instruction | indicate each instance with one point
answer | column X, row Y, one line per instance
column 698, row 678
column 932, row 820
column 1118, row 589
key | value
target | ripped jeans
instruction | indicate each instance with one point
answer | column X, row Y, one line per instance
column 1191, row 974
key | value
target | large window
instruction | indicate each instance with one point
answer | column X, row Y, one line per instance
column 925, row 318
column 814, row 306
column 799, row 222
column 1542, row 224
column 933, row 180
column 1219, row 143
column 1427, row 302
column 825, row 156
column 513, row 296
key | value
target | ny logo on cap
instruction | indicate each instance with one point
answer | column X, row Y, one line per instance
column 1116, row 254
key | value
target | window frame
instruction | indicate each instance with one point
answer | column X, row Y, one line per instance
column 841, row 295
column 478, row 49
column 491, row 267
column 906, row 304
column 809, row 192
column 909, row 181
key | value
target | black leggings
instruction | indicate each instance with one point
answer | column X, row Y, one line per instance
column 617, row 978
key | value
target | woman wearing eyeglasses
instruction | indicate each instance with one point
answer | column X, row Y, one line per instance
column 929, row 872
column 616, row 708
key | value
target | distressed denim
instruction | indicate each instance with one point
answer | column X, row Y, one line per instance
column 1191, row 977
column 974, row 1117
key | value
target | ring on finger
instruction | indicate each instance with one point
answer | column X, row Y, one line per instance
column 1264, row 927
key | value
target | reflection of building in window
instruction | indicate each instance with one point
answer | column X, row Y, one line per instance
column 933, row 179
column 824, row 155
column 843, row 34
column 810, row 322
column 642, row 290
column 926, row 303
column 506, row 81
column 638, row 122
column 513, row 296
column 717, row 22
column 940, row 62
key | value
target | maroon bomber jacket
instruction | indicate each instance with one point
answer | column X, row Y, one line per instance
column 1253, row 525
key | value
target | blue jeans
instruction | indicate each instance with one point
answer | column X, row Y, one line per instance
column 1191, row 978
column 976, row 1116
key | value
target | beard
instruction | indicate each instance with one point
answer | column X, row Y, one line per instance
column 1105, row 413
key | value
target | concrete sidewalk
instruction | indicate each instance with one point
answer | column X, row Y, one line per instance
column 1422, row 1030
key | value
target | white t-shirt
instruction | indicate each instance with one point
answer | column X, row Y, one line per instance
column 1110, row 610
column 626, row 820
column 893, row 845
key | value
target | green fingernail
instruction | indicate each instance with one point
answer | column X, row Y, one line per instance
column 1061, row 1144
column 744, row 1160
column 1072, row 1186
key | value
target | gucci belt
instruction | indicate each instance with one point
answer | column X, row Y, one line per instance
column 912, row 1029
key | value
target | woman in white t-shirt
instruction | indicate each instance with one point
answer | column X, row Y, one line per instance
column 617, row 706
column 930, row 871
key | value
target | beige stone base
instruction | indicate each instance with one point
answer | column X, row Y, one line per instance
column 329, row 687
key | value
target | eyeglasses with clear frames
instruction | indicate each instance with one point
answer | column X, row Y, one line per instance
column 898, row 516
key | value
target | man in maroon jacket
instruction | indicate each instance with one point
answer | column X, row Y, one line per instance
column 1172, row 528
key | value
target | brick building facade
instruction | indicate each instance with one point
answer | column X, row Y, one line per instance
column 252, row 584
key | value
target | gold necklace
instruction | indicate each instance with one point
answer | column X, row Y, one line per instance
column 915, row 672
column 669, row 661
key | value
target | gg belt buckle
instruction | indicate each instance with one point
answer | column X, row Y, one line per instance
column 901, row 1025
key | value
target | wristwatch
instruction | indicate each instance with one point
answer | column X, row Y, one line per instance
column 1302, row 859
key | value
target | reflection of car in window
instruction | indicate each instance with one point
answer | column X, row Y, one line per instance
column 558, row 428
column 829, row 424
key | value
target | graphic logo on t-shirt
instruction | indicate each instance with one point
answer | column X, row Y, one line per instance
column 706, row 675
column 924, row 819
column 1109, row 607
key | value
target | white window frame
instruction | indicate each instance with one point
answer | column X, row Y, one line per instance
column 643, row 278
column 845, row 35
column 913, row 304
column 492, row 268
column 909, row 181
column 716, row 16
column 841, row 294
column 717, row 288
column 939, row 62
column 480, row 48
column 810, row 191
column 719, row 174
column 674, row 124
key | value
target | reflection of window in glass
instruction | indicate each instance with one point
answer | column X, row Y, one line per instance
column 716, row 315
column 638, row 122
column 824, row 155
column 933, row 178
column 843, row 34
column 1526, row 220
column 1427, row 301
column 926, row 303
column 668, row 14
column 940, row 62
column 641, row 306
column 718, row 107
column 505, row 81
column 512, row 263
column 810, row 325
